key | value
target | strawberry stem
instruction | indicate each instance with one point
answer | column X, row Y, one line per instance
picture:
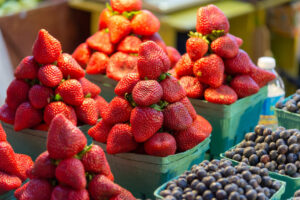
column 89, row 95
column 162, row 77
column 57, row 97
column 130, row 15
column 84, row 151
column 54, row 63
column 156, row 107
column 55, row 162
column 106, row 30
column 129, row 98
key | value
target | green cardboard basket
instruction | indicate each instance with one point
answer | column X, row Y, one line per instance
column 142, row 174
column 231, row 122
column 8, row 196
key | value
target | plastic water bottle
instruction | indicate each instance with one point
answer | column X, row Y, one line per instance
column 276, row 92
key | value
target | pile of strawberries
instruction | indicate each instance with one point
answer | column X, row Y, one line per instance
column 151, row 113
column 46, row 84
column 123, row 26
column 70, row 170
column 214, row 66
column 13, row 166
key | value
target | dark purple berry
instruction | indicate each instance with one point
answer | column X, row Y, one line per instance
column 264, row 159
column 251, row 195
column 282, row 149
column 290, row 169
column 221, row 194
column 215, row 186
column 259, row 129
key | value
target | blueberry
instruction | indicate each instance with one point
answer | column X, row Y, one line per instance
column 248, row 188
column 229, row 153
column 215, row 162
column 281, row 166
column 260, row 165
column 294, row 148
column 263, row 172
column 270, row 166
column 240, row 168
column 267, row 191
column 291, row 158
column 237, row 157
column 231, row 188
column 201, row 187
column 229, row 170
column 221, row 194
column 298, row 104
column 254, row 170
column 268, row 139
column 207, row 195
column 217, row 175
column 246, row 175
column 242, row 183
column 194, row 183
column 298, row 91
column 170, row 197
column 208, row 180
column 182, row 183
column 282, row 149
column 261, row 196
column 297, row 193
column 243, row 197
column 212, row 167
column 280, row 142
column 292, row 139
column 291, row 101
column 281, row 159
column 261, row 152
column 251, row 195
column 279, row 104
column 248, row 151
column 257, row 178
column 239, row 151
column 234, row 196
column 223, row 181
column 250, row 144
column 292, row 107
column 267, row 181
column 264, row 159
column 190, row 195
column 233, row 179
column 267, row 132
column 259, row 139
column 240, row 190
column 242, row 144
column 224, row 163
column 290, row 169
column 253, row 183
column 177, row 193
column 297, row 163
column 276, row 185
column 245, row 160
column 201, row 174
column 215, row 186
column 259, row 129
column 199, row 197
column 171, row 186
column 282, row 171
column 165, row 193
column 275, row 135
column 272, row 192
column 250, row 136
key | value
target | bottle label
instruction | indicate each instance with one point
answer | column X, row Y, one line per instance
column 269, row 103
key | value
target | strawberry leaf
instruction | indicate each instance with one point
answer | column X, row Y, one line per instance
column 156, row 107
column 109, row 7
column 57, row 97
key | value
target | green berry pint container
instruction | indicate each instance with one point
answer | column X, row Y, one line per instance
column 8, row 195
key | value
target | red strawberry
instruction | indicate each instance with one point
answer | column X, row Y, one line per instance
column 261, row 76
column 100, row 42
column 37, row 189
column 157, row 39
column 39, row 96
column 70, row 172
column 119, row 27
column 238, row 40
column 172, row 72
column 27, row 69
column 161, row 144
column 71, row 92
column 69, row 67
column 7, row 115
column 101, row 104
column 126, row 84
column 147, row 92
column 129, row 44
column 16, row 93
column 193, row 135
column 172, row 90
column 65, row 193
column 145, row 23
column 102, row 188
column 8, row 182
column 97, row 64
column 145, row 122
column 24, row 163
column 210, row 70
column 87, row 112
column 190, row 108
column 196, row 48
column 8, row 162
column 2, row 134
column 120, row 139
column 104, row 17
column 225, row 46
column 244, row 86
column 50, row 75
column 20, row 190
column 241, row 64
column 192, row 86
column 152, row 61
column 124, row 195
column 46, row 48
column 221, row 95
column 43, row 167
column 173, row 55
column 33, row 117
column 64, row 139
column 59, row 107
column 121, row 64
column 100, row 131
column 41, row 127
column 126, row 5
column 111, row 177
column 89, row 89
column 118, row 111
column 184, row 66
column 211, row 18
column 177, row 117
column 82, row 54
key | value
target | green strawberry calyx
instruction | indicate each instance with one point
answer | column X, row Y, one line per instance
column 57, row 97
column 199, row 35
column 111, row 9
column 163, row 76
column 84, row 151
column 89, row 95
column 128, row 15
column 129, row 98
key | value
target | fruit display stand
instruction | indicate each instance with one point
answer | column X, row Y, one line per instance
column 230, row 122
column 142, row 174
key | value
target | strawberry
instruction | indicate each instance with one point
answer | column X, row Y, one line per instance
column 100, row 131
column 145, row 23
column 100, row 42
column 261, row 76
column 87, row 112
column 8, row 162
column 16, row 93
column 8, row 182
column 173, row 55
column 27, row 69
column 152, row 61
column 210, row 70
column 64, row 139
column 7, row 115
column 69, row 67
column 59, row 107
column 97, row 64
column 177, row 117
column 70, row 172
column 71, row 92
column 101, row 104
column 221, row 95
column 65, row 193
column 211, row 18
column 147, row 92
column 225, row 46
column 24, row 163
column 42, row 127
column 238, row 40
column 240, row 64
column 82, row 54
column 2, row 134
column 126, row 5
column 121, row 64
column 188, row 105
column 157, row 39
column 196, row 48
column 120, row 139
column 46, row 48
column 192, row 86
column 130, row 44
column 33, row 117
column 124, row 195
column 101, row 187
column 39, row 96
column 184, row 66
column 145, row 122
column 50, row 75
column 118, row 111
column 161, row 144
column 20, row 190
column 126, row 84
column 89, row 89
column 37, row 189
column 111, row 177
column 172, row 90
column 119, row 27
column 172, row 72
column 244, row 86
column 43, row 167
column 104, row 18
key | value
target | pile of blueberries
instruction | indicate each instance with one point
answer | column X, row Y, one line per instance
column 292, row 105
column 297, row 194
column 219, row 179
column 278, row 150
